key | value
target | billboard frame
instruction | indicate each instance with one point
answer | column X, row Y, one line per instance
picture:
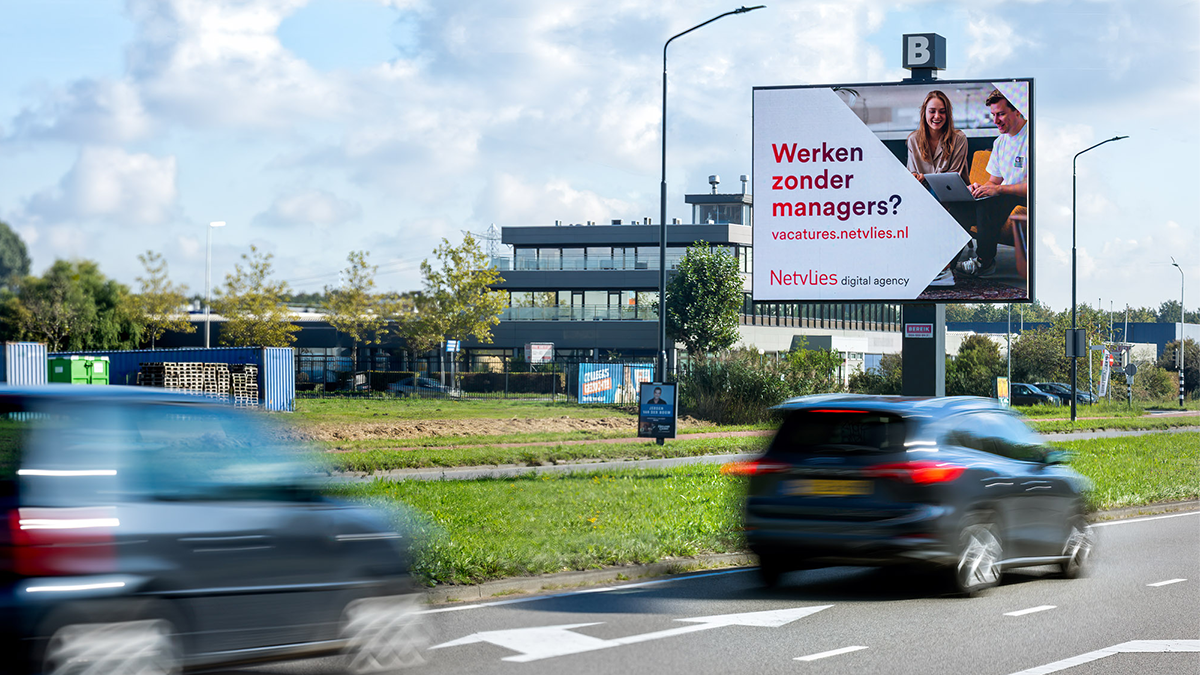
column 1031, row 200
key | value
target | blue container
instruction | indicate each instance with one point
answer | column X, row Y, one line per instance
column 276, row 368
column 23, row 363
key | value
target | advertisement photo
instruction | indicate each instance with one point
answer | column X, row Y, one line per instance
column 894, row 192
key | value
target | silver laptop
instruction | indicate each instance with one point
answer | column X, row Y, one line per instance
column 949, row 187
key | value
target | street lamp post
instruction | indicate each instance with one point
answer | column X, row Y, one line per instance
column 1074, row 309
column 1182, row 326
column 662, row 203
column 208, row 275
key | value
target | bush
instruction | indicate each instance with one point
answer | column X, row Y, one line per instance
column 741, row 387
column 1153, row 383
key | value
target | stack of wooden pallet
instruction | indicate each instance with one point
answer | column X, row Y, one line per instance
column 244, row 385
column 211, row 380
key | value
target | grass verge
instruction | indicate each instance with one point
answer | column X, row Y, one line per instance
column 1138, row 470
column 473, row 531
column 486, row 529
column 337, row 410
column 1116, row 423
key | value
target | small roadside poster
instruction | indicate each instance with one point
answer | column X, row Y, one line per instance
column 656, row 410
column 1002, row 392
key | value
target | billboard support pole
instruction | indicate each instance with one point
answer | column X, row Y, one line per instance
column 923, row 350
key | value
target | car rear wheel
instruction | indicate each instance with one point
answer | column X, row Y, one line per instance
column 383, row 635
column 1078, row 549
column 146, row 647
column 980, row 554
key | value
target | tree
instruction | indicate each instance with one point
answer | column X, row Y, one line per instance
column 884, row 379
column 72, row 307
column 1040, row 356
column 457, row 301
column 14, row 257
column 158, row 305
column 974, row 371
column 703, row 299
column 1191, row 362
column 253, row 305
column 353, row 306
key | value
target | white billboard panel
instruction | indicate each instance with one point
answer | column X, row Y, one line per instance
column 840, row 217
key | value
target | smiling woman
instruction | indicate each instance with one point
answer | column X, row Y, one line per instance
column 344, row 34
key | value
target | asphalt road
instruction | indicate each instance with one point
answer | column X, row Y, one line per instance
column 1138, row 612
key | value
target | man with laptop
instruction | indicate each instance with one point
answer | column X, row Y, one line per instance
column 1008, row 185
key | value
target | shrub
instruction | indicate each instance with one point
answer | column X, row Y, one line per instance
column 741, row 386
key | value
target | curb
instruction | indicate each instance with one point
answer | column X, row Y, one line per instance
column 549, row 583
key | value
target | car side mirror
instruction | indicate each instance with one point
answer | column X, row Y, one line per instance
column 1058, row 457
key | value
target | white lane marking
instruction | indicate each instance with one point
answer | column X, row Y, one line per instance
column 543, row 642
column 831, row 652
column 1168, row 582
column 605, row 589
column 1143, row 520
column 1142, row 646
column 1031, row 610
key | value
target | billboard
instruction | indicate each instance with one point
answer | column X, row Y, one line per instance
column 612, row 382
column 657, row 403
column 894, row 192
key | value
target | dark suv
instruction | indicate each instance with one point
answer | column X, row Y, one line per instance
column 147, row 533
column 955, row 483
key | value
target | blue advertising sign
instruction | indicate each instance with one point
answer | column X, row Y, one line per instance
column 656, row 410
column 612, row 382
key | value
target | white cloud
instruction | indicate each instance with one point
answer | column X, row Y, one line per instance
column 509, row 200
column 220, row 61
column 309, row 207
column 993, row 41
column 88, row 111
column 109, row 183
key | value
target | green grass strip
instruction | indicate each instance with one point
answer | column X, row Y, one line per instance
column 1116, row 423
column 338, row 410
column 1138, row 470
column 472, row 531
column 487, row 529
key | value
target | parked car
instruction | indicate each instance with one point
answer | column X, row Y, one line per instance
column 146, row 533
column 1063, row 392
column 956, row 484
column 423, row 387
column 1027, row 394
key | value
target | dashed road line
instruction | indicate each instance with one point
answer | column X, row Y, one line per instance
column 832, row 652
column 1031, row 610
column 1168, row 582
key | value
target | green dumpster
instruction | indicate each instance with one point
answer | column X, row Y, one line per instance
column 79, row 369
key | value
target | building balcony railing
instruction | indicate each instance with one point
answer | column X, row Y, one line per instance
column 579, row 313
column 576, row 263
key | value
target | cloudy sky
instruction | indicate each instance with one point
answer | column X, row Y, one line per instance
column 318, row 127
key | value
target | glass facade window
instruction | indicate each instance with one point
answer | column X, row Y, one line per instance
column 572, row 259
column 526, row 258
column 731, row 214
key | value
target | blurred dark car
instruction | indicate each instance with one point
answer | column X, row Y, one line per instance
column 145, row 533
column 957, row 485
column 1063, row 392
column 1027, row 394
column 423, row 387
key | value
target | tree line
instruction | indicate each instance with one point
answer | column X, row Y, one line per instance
column 73, row 306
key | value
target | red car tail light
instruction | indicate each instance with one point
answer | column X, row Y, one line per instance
column 63, row 541
column 920, row 472
column 754, row 468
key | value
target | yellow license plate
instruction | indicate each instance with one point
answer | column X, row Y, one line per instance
column 827, row 488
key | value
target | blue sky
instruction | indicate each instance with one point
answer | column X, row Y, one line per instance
column 318, row 127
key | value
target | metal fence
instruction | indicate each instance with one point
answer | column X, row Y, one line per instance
column 323, row 376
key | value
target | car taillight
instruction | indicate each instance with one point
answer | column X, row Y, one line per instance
column 920, row 472
column 754, row 468
column 63, row 541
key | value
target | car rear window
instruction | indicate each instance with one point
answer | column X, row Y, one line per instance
column 806, row 432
